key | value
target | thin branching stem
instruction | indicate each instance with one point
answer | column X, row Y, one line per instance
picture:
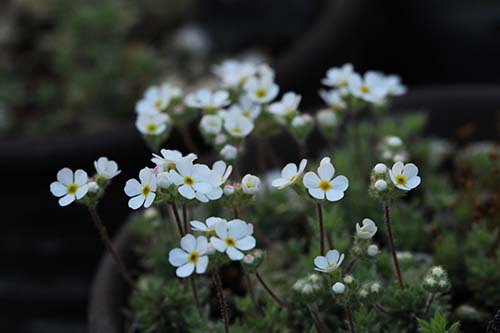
column 177, row 218
column 271, row 293
column 321, row 229
column 391, row 244
column 103, row 233
column 221, row 299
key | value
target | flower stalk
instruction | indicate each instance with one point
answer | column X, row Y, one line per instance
column 349, row 318
column 177, row 218
column 103, row 233
column 271, row 293
column 321, row 229
column 221, row 299
column 194, row 289
column 391, row 244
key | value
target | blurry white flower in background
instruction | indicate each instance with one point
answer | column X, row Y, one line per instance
column 289, row 104
column 152, row 123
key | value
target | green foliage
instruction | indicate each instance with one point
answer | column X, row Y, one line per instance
column 438, row 324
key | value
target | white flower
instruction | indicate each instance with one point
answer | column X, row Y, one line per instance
column 246, row 108
column 192, row 180
column 261, row 90
column 363, row 293
column 205, row 99
column 392, row 83
column 325, row 184
column 393, row 141
column 93, row 187
column 238, row 125
column 375, row 287
column 191, row 255
column 232, row 238
column 220, row 139
column 208, row 227
column 290, row 174
column 368, row 230
column 401, row 157
column 430, row 281
column 249, row 259
column 250, row 184
column 338, row 77
column 326, row 118
column 380, row 168
column 163, row 179
column 437, row 271
column 338, row 288
column 233, row 72
column 152, row 123
column 106, row 168
column 288, row 105
column 155, row 99
column 229, row 152
column 69, row 186
column 228, row 190
column 301, row 120
column 333, row 99
column 169, row 159
column 380, row 185
column 211, row 124
column 368, row 88
column 372, row 250
column 142, row 193
column 218, row 175
column 330, row 262
column 404, row 176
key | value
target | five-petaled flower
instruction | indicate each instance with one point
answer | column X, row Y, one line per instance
column 169, row 159
column 404, row 176
column 233, row 237
column 330, row 262
column 142, row 193
column 367, row 230
column 106, row 168
column 324, row 185
column 69, row 186
column 192, row 255
column 290, row 174
column 191, row 179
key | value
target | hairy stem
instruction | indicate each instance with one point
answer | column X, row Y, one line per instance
column 185, row 217
column 221, row 299
column 391, row 244
column 321, row 231
column 251, row 292
column 271, row 293
column 103, row 233
column 173, row 207
column 429, row 303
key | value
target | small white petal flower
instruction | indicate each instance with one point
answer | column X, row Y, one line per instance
column 288, row 105
column 142, row 193
column 348, row 279
column 234, row 73
column 326, row 118
column 169, row 159
column 238, row 125
column 368, row 88
column 325, row 185
column 372, row 250
column 368, row 230
column 211, row 124
column 156, row 99
column 246, row 108
column 190, row 257
column 392, row 83
column 437, row 271
column 393, row 141
column 228, row 190
column 218, row 176
column 375, row 287
column 333, row 98
column 93, row 187
column 330, row 262
column 163, row 179
column 69, row 186
column 338, row 77
column 220, row 139
column 380, row 168
column 191, row 180
column 301, row 120
column 250, row 184
column 430, row 281
column 290, row 174
column 232, row 238
column 152, row 123
column 208, row 227
column 261, row 90
column 380, row 185
column 338, row 288
column 106, row 168
column 404, row 176
column 229, row 152
column 249, row 259
column 205, row 99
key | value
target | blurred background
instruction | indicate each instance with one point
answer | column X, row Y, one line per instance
column 71, row 72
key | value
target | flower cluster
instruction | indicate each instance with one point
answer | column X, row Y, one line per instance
column 436, row 280
column 388, row 183
column 393, row 150
column 218, row 236
column 77, row 186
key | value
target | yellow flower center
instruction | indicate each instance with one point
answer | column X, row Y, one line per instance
column 343, row 84
column 188, row 180
column 72, row 188
column 401, row 180
column 260, row 93
column 151, row 128
column 325, row 185
column 364, row 89
column 158, row 104
column 146, row 190
column 246, row 114
column 210, row 233
column 230, row 242
column 193, row 257
column 249, row 185
column 171, row 166
column 237, row 130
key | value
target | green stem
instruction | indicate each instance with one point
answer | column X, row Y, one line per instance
column 391, row 244
column 271, row 293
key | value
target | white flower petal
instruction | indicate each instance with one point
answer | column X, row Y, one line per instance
column 82, row 190
column 317, row 193
column 66, row 200
column 302, row 166
column 340, row 183
column 332, row 256
column 186, row 191
column 321, row 262
column 397, row 168
column 202, row 187
column 149, row 199
column 246, row 243
column 280, row 182
column 177, row 257
column 413, row 182
column 334, row 195
column 326, row 171
column 237, row 228
column 201, row 245
column 234, row 254
column 410, row 170
column 176, row 178
column 221, row 230
column 65, row 176
column 80, row 177
column 198, row 226
column 58, row 189
column 218, row 244
column 311, row 180
column 188, row 243
column 145, row 175
column 289, row 171
column 133, row 187
column 136, row 202
column 212, row 221
column 201, row 265
column 185, row 271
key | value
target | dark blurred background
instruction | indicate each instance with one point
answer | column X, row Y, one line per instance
column 71, row 71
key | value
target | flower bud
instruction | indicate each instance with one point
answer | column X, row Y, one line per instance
column 93, row 187
column 228, row 190
column 380, row 185
column 393, row 141
column 338, row 288
column 163, row 180
column 372, row 250
column 229, row 152
column 348, row 279
column 380, row 168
